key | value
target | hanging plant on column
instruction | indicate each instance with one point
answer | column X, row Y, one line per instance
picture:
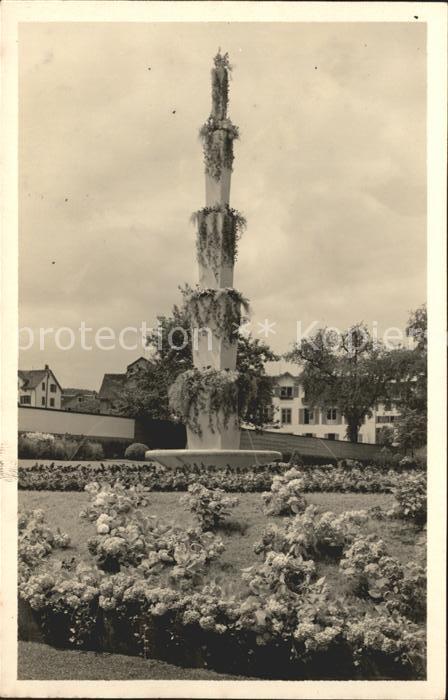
column 219, row 309
column 218, row 133
column 220, row 85
column 219, row 230
column 217, row 136
column 211, row 391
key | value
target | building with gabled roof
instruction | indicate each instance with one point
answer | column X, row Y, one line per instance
column 39, row 388
column 113, row 385
column 80, row 400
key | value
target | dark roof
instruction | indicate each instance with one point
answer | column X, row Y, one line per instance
column 295, row 377
column 32, row 377
column 112, row 386
column 139, row 359
column 82, row 403
column 71, row 392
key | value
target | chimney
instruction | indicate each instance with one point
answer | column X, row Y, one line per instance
column 47, row 367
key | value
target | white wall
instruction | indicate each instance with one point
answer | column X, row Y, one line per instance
column 62, row 422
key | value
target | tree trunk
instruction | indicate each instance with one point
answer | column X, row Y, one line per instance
column 352, row 430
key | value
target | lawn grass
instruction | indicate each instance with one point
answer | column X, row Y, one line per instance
column 41, row 662
column 239, row 534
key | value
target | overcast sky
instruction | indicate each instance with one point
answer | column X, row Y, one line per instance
column 329, row 172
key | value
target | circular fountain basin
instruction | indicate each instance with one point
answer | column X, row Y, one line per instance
column 212, row 458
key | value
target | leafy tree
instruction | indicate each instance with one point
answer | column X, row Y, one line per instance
column 385, row 436
column 171, row 346
column 411, row 430
column 255, row 387
column 350, row 371
column 411, row 390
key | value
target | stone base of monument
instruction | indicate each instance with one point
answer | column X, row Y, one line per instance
column 212, row 458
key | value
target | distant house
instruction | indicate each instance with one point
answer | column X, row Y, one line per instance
column 291, row 413
column 80, row 400
column 113, row 385
column 39, row 388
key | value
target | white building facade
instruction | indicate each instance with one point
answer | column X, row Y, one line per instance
column 292, row 414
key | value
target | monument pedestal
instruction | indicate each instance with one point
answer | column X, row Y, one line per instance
column 220, row 459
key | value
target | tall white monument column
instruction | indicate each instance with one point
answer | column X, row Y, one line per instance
column 207, row 396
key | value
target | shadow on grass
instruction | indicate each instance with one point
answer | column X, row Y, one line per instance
column 230, row 527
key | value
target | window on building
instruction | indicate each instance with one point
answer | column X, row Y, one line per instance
column 51, row 402
column 268, row 412
column 332, row 414
column 332, row 436
column 43, row 400
column 286, row 392
column 359, row 437
column 80, row 399
column 53, row 388
column 43, row 386
column 286, row 416
column 25, row 399
column 308, row 434
column 308, row 416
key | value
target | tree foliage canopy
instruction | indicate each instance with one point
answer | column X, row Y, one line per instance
column 412, row 370
column 350, row 371
column 171, row 346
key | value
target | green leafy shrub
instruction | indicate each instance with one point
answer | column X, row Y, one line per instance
column 296, row 459
column 210, row 506
column 383, row 634
column 126, row 537
column 279, row 570
column 136, row 451
column 48, row 446
column 376, row 575
column 313, row 534
column 35, row 445
column 321, row 622
column 285, row 496
column 91, row 450
column 410, row 499
column 36, row 540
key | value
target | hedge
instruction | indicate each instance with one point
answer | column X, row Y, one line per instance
column 58, row 476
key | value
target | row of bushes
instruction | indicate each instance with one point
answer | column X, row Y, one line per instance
column 328, row 478
column 48, row 446
column 385, row 459
column 68, row 447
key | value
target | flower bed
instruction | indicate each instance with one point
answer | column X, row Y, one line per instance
column 60, row 476
column 160, row 600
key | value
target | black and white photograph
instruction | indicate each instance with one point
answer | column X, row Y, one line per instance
column 220, row 449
